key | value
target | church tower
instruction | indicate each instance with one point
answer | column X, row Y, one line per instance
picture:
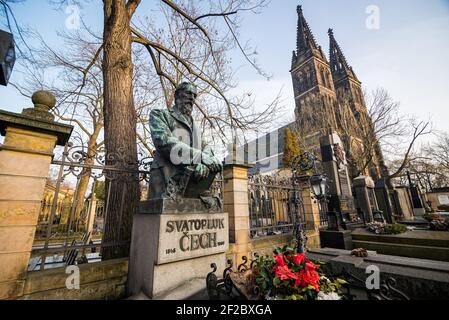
column 314, row 91
column 352, row 115
column 328, row 94
column 347, row 85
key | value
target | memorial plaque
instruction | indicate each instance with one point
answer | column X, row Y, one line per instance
column 189, row 236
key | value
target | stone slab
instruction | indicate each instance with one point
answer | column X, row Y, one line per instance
column 415, row 237
column 417, row 278
column 336, row 239
column 414, row 251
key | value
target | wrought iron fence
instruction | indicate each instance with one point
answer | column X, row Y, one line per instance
column 274, row 205
column 75, row 205
column 324, row 217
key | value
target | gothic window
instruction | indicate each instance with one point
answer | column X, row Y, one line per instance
column 323, row 78
column 298, row 82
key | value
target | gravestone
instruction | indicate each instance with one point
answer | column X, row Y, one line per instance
column 341, row 202
column 182, row 229
column 383, row 200
column 366, row 198
column 418, row 207
column 336, row 168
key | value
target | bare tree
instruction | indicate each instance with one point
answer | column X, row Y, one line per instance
column 430, row 166
column 439, row 150
column 383, row 131
column 170, row 61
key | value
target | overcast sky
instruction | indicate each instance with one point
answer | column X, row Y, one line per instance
column 408, row 54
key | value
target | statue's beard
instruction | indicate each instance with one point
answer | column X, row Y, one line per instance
column 186, row 108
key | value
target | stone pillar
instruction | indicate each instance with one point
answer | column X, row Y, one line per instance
column 25, row 159
column 237, row 206
column 311, row 206
column 312, row 216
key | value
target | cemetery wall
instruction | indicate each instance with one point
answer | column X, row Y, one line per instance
column 98, row 281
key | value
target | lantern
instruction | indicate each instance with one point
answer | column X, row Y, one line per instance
column 7, row 56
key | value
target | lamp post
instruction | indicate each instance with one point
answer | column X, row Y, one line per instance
column 7, row 56
column 303, row 163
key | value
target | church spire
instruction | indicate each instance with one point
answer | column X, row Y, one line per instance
column 305, row 39
column 339, row 66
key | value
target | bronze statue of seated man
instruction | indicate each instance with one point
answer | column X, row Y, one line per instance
column 182, row 168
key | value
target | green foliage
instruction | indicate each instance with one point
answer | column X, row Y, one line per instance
column 382, row 228
column 100, row 190
column 395, row 229
column 291, row 148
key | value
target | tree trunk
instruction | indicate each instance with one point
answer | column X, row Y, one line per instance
column 84, row 181
column 122, row 192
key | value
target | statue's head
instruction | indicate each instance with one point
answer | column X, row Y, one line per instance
column 185, row 96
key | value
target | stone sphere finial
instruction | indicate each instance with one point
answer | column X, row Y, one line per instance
column 43, row 100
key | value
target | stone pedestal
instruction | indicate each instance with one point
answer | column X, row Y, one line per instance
column 171, row 247
column 336, row 239
column 25, row 159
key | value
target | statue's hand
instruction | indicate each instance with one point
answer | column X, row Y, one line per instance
column 201, row 172
column 211, row 162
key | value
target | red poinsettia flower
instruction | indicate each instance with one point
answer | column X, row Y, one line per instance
column 310, row 277
column 279, row 259
column 310, row 266
column 299, row 280
column 299, row 258
column 284, row 273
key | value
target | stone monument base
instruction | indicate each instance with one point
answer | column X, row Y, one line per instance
column 336, row 239
column 169, row 250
